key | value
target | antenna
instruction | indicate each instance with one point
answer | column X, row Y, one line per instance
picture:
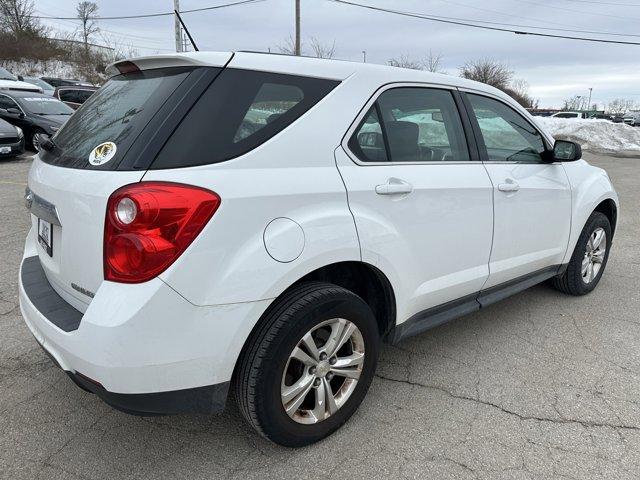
column 195, row 47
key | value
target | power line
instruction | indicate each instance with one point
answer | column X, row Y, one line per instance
column 583, row 12
column 607, row 3
column 474, row 24
column 150, row 15
column 555, row 29
column 505, row 14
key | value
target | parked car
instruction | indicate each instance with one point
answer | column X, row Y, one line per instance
column 11, row 140
column 261, row 223
column 9, row 81
column 46, row 88
column 65, row 82
column 38, row 115
column 74, row 96
column 569, row 115
column 632, row 118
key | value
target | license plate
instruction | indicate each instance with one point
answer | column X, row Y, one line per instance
column 45, row 236
column 5, row 149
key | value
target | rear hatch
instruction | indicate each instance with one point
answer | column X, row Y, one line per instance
column 109, row 142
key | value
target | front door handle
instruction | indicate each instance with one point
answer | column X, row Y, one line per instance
column 394, row 186
column 510, row 185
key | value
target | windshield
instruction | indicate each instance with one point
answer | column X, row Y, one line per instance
column 44, row 106
column 6, row 75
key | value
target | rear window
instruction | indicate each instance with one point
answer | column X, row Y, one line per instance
column 239, row 111
column 117, row 113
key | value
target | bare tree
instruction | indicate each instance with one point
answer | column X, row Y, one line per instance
column 433, row 62
column 621, row 105
column 430, row 63
column 321, row 50
column 16, row 17
column 288, row 47
column 87, row 11
column 403, row 61
column 573, row 103
column 488, row 71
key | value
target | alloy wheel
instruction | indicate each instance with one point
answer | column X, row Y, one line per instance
column 322, row 371
column 594, row 255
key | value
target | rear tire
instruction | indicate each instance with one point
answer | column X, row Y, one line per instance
column 576, row 280
column 268, row 368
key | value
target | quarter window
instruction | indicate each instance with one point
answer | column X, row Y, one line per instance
column 240, row 110
column 507, row 136
column 411, row 124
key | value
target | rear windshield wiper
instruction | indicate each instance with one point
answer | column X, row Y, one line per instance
column 48, row 144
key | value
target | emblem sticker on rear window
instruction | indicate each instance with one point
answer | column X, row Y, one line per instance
column 102, row 153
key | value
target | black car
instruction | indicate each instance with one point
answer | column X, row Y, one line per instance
column 65, row 82
column 35, row 113
column 11, row 140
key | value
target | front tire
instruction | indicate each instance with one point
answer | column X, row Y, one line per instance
column 35, row 138
column 589, row 258
column 307, row 367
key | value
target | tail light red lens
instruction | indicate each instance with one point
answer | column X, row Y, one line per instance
column 149, row 224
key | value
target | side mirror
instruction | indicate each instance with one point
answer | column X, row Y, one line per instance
column 565, row 151
column 14, row 111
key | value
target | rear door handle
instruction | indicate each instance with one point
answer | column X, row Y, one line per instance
column 394, row 186
column 510, row 185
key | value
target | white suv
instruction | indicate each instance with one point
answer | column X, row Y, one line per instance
column 259, row 222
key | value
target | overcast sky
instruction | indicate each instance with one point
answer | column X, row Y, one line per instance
column 554, row 68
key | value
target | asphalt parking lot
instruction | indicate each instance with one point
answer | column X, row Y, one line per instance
column 539, row 386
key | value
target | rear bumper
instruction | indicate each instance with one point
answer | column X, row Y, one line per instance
column 142, row 348
column 208, row 400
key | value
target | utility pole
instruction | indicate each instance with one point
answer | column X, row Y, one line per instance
column 177, row 26
column 297, row 46
column 590, row 92
column 364, row 56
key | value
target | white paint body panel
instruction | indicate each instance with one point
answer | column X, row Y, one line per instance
column 532, row 225
column 187, row 327
column 434, row 243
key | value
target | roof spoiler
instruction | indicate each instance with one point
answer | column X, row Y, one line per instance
column 191, row 59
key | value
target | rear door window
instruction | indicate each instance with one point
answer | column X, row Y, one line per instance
column 413, row 124
column 368, row 142
column 239, row 111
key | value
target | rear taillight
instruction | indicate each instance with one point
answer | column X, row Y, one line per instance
column 149, row 224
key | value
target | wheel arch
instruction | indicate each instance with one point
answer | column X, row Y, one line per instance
column 609, row 208
column 366, row 281
column 361, row 278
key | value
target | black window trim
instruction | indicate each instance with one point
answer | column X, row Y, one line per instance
column 484, row 155
column 360, row 118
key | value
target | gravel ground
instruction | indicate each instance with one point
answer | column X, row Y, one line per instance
column 539, row 386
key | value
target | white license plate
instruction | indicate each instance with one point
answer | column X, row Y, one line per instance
column 45, row 236
column 5, row 149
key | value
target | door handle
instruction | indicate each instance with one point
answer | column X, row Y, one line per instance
column 394, row 186
column 510, row 185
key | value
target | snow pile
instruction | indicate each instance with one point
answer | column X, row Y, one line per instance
column 41, row 68
column 596, row 136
